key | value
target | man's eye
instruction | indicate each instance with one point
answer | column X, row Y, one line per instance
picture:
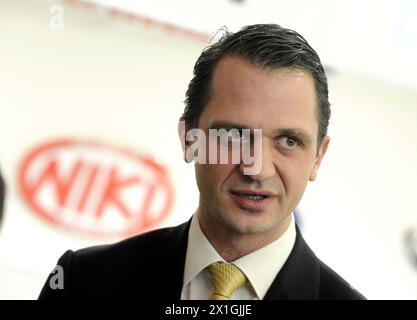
column 288, row 142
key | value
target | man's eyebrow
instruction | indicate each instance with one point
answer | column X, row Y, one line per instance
column 227, row 125
column 296, row 132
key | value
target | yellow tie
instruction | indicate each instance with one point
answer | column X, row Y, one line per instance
column 227, row 278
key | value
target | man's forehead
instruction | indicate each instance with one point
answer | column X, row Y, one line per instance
column 261, row 98
column 237, row 78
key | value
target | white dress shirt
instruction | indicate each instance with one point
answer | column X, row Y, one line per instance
column 260, row 267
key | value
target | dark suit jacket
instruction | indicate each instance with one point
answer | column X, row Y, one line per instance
column 151, row 266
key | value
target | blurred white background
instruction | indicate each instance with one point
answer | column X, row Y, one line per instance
column 117, row 71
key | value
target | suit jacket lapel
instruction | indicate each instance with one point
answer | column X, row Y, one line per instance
column 299, row 278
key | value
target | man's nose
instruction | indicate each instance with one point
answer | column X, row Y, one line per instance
column 265, row 160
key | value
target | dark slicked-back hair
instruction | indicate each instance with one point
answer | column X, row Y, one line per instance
column 268, row 46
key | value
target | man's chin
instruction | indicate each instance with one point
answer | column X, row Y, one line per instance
column 251, row 223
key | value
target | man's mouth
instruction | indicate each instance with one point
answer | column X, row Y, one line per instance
column 252, row 200
column 251, row 196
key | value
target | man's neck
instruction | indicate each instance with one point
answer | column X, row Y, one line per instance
column 232, row 245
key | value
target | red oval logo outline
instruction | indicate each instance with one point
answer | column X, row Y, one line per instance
column 31, row 185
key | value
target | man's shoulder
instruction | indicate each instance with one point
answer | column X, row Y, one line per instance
column 118, row 270
column 135, row 246
column 305, row 276
column 334, row 287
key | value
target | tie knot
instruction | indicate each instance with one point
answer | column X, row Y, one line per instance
column 227, row 278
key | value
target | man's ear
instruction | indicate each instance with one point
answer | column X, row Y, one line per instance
column 182, row 131
column 322, row 151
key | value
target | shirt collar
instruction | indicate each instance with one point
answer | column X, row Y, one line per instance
column 260, row 267
column 263, row 265
column 200, row 252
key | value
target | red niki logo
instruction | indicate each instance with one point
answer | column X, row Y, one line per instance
column 95, row 188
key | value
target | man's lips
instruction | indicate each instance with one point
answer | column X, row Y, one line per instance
column 252, row 200
column 254, row 192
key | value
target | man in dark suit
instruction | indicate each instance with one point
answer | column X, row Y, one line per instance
column 261, row 94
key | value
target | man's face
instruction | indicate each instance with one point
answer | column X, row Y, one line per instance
column 282, row 103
